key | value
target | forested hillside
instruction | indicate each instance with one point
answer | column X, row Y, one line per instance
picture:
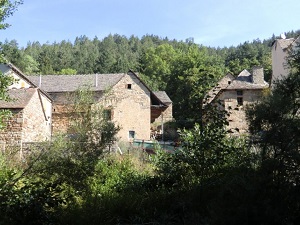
column 185, row 70
column 116, row 53
column 211, row 178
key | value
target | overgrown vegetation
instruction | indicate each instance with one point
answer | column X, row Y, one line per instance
column 211, row 179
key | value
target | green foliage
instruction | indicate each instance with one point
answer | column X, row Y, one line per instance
column 275, row 124
column 5, row 82
column 158, row 65
column 7, row 8
column 184, row 70
column 56, row 174
column 29, row 64
column 206, row 152
column 72, row 159
column 114, row 177
column 67, row 71
column 248, row 55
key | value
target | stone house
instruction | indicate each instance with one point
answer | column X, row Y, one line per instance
column 234, row 93
column 31, row 110
column 280, row 51
column 161, row 114
column 127, row 100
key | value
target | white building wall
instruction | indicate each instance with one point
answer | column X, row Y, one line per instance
column 279, row 66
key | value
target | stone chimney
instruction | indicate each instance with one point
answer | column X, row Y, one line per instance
column 258, row 75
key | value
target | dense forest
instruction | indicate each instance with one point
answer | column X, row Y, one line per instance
column 211, row 179
column 185, row 70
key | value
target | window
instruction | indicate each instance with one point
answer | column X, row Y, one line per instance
column 240, row 100
column 107, row 114
column 129, row 86
column 229, row 82
column 131, row 134
column 239, row 92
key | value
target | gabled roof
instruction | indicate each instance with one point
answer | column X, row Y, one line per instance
column 245, row 81
column 285, row 43
column 70, row 83
column 96, row 82
column 222, row 84
column 5, row 68
column 20, row 98
column 163, row 97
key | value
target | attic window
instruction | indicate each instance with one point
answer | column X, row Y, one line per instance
column 129, row 86
column 239, row 92
column 229, row 82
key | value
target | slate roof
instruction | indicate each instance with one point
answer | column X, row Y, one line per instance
column 70, row 83
column 20, row 98
column 222, row 84
column 6, row 67
column 285, row 43
column 163, row 97
column 244, row 81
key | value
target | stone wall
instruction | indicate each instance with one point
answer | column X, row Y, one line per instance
column 159, row 115
column 63, row 108
column 61, row 118
column 129, row 101
column 36, row 124
column 237, row 119
column 12, row 134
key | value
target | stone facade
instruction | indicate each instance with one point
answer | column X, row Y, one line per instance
column 29, row 121
column 37, row 119
column 129, row 101
column 233, row 94
column 125, row 95
column 234, row 102
column 162, row 114
column 12, row 133
column 31, row 110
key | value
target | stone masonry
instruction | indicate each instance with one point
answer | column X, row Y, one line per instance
column 234, row 93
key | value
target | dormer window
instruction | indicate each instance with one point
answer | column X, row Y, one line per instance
column 129, row 86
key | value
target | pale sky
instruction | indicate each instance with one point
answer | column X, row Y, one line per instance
column 210, row 22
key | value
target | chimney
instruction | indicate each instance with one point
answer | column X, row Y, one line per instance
column 258, row 75
column 40, row 81
column 96, row 80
